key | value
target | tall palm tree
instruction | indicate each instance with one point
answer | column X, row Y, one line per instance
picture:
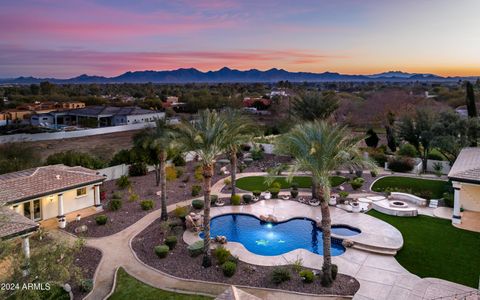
column 207, row 137
column 157, row 142
column 241, row 129
column 321, row 148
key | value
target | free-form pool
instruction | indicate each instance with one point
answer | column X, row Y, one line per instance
column 276, row 238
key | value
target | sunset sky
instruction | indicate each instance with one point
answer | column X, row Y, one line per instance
column 66, row 38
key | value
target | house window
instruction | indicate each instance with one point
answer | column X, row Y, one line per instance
column 81, row 192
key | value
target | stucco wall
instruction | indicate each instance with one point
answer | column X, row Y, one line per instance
column 70, row 203
column 470, row 197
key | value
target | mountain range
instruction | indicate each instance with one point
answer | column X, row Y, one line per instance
column 231, row 75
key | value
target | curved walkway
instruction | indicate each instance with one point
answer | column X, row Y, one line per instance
column 380, row 276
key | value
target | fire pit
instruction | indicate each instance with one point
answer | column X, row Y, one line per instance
column 398, row 204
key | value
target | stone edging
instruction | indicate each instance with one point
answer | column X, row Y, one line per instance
column 114, row 282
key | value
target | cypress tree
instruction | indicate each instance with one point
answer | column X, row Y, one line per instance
column 471, row 106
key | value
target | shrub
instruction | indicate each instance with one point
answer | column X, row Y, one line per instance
column 123, row 182
column 162, row 251
column 245, row 147
column 357, row 183
column 222, row 254
column 133, row 197
column 171, row 241
column 374, row 173
column 147, row 204
column 247, row 198
column 227, row 181
column 196, row 190
column 233, row 259
column 438, row 168
column 334, row 271
column 294, row 193
column 117, row 195
column 179, row 160
column 379, row 157
column 343, row 194
column 358, row 173
column 401, row 164
column 195, row 249
column 448, row 198
column 198, row 173
column 180, row 172
column 229, row 268
column 170, row 173
column 280, row 274
column 295, row 185
column 181, row 211
column 276, row 185
column 197, row 204
column 307, row 276
column 213, row 199
column 236, row 200
column 274, row 192
column 101, row 219
column 137, row 169
column 86, row 285
column 434, row 154
column 256, row 193
column 115, row 204
column 372, row 138
column 257, row 153
column 425, row 194
column 407, row 150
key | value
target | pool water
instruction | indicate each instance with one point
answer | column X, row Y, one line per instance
column 276, row 238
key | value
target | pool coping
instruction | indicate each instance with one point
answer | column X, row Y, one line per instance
column 367, row 237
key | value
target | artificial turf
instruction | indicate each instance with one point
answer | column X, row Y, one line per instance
column 252, row 183
column 433, row 247
column 417, row 186
column 130, row 288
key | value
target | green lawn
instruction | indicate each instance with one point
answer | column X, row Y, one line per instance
column 130, row 288
column 417, row 186
column 433, row 247
column 252, row 183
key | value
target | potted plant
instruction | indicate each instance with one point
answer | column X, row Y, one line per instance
column 62, row 222
column 333, row 200
column 355, row 206
column 78, row 217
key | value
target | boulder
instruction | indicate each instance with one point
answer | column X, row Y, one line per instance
column 269, row 218
column 80, row 229
column 195, row 249
column 221, row 239
column 348, row 243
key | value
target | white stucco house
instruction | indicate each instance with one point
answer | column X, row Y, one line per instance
column 35, row 195
column 465, row 177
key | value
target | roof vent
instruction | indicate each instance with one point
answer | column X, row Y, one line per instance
column 57, row 176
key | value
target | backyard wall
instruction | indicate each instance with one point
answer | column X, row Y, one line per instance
column 25, row 137
column 470, row 197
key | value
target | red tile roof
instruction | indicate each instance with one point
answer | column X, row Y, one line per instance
column 42, row 181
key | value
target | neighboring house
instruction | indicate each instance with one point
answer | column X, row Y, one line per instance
column 97, row 116
column 278, row 92
column 35, row 195
column 465, row 177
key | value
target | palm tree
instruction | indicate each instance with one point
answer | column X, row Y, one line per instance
column 208, row 137
column 157, row 142
column 312, row 106
column 240, row 129
column 321, row 148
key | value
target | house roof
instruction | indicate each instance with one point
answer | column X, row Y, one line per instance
column 467, row 166
column 109, row 111
column 42, row 181
column 14, row 224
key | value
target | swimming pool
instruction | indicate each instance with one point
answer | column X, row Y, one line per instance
column 276, row 238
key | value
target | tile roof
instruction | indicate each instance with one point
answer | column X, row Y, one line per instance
column 13, row 224
column 42, row 181
column 467, row 166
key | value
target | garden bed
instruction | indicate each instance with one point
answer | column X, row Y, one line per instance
column 87, row 259
column 179, row 263
column 131, row 212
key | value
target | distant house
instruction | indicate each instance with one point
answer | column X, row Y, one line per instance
column 97, row 116
column 278, row 92
column 465, row 177
column 250, row 101
column 44, row 193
